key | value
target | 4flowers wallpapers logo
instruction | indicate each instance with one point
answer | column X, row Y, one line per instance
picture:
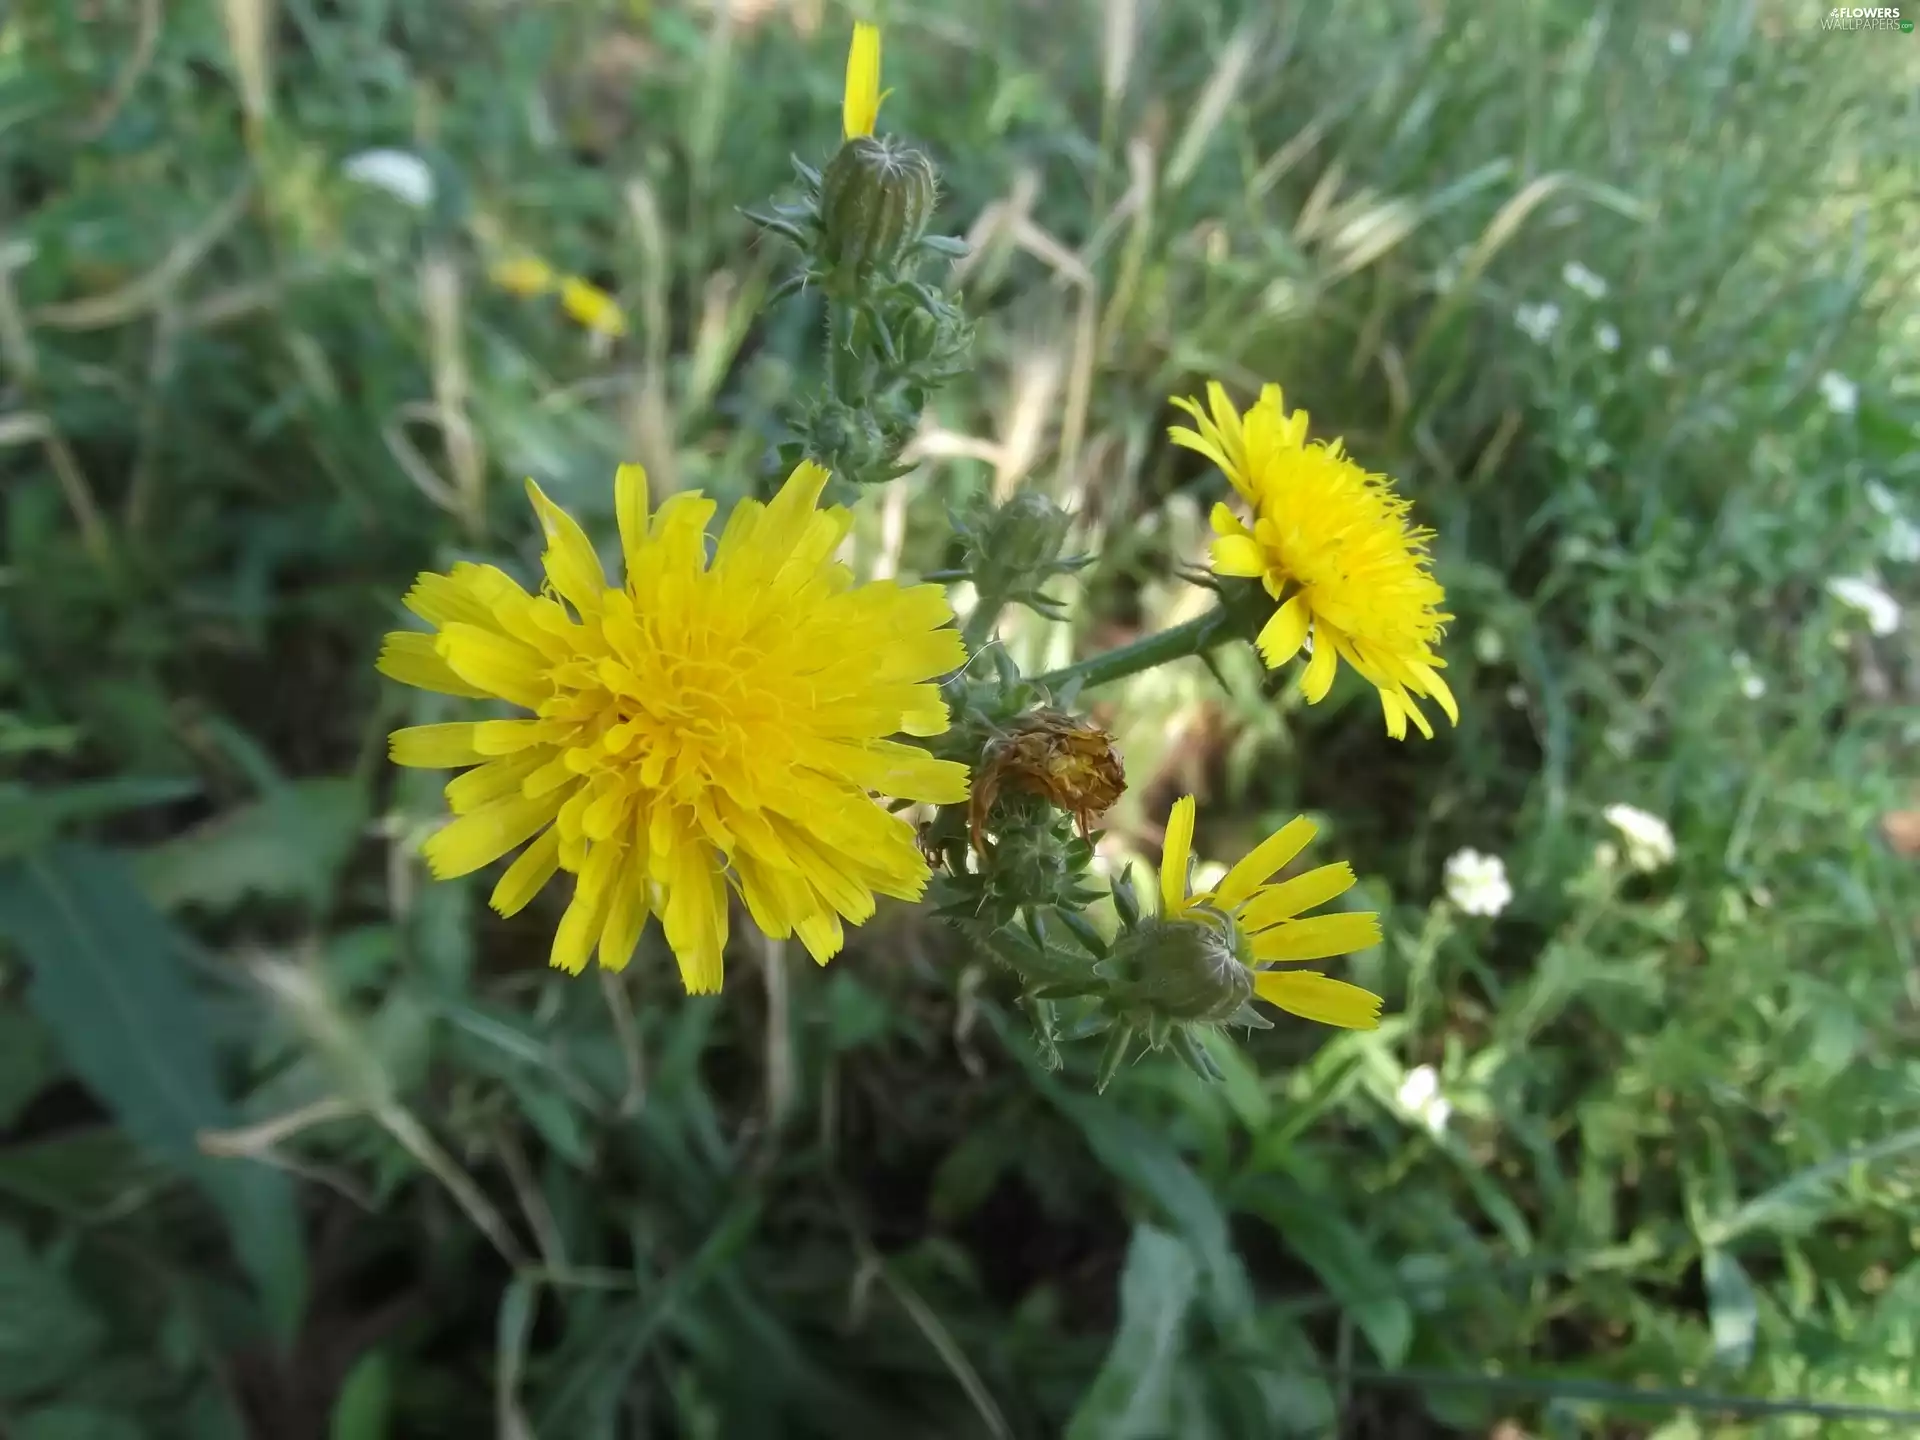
column 737, row 716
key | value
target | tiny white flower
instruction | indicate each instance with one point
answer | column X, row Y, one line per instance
column 1902, row 544
column 1517, row 696
column 1648, row 839
column 1488, row 646
column 1539, row 321
column 1607, row 338
column 1840, row 393
column 1606, row 855
column 1752, row 684
column 1862, row 593
column 400, row 173
column 1660, row 360
column 1584, row 280
column 1679, row 42
column 1478, row 883
column 1419, row 1095
column 1882, row 499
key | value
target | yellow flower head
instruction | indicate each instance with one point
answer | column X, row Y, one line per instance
column 1336, row 544
column 524, row 275
column 592, row 307
column 706, row 724
column 1267, row 920
column 860, row 108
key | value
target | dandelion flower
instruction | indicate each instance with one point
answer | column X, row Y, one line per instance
column 708, row 724
column 524, row 275
column 1333, row 543
column 1264, row 923
column 1478, row 883
column 860, row 108
column 1648, row 838
column 592, row 307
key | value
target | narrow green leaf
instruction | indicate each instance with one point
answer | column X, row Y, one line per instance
column 365, row 1403
column 109, row 986
column 47, row 1332
column 289, row 844
column 1128, row 1397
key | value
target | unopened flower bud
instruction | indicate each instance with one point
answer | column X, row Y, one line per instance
column 876, row 198
column 1190, row 969
column 1025, row 535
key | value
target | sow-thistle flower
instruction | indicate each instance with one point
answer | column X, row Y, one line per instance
column 590, row 307
column 707, row 724
column 1334, row 544
column 1254, row 925
column 860, row 108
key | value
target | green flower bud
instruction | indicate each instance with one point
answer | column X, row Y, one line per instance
column 876, row 198
column 1192, row 969
column 1025, row 535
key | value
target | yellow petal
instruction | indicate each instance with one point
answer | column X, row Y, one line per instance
column 482, row 837
column 435, row 747
column 860, row 106
column 1284, row 633
column 591, row 307
column 1251, row 871
column 523, row 275
column 580, row 927
column 493, row 780
column 410, row 657
column 1318, row 679
column 1289, row 898
column 823, row 935
column 627, row 913
column 1318, row 937
column 570, row 560
column 497, row 665
column 1238, row 555
column 1174, row 856
column 630, row 511
column 528, row 874
column 695, row 917
column 1317, row 997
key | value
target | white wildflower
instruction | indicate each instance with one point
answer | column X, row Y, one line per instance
column 1648, row 839
column 1840, row 393
column 400, row 173
column 1607, row 338
column 1863, row 593
column 1679, row 42
column 1882, row 499
column 1419, row 1095
column 1660, row 360
column 1752, row 683
column 1584, row 280
column 1539, row 321
column 1478, row 883
column 1902, row 542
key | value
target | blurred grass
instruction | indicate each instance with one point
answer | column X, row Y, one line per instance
column 245, row 398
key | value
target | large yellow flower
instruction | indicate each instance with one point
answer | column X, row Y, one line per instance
column 703, row 724
column 1335, row 543
column 1266, row 921
column 860, row 102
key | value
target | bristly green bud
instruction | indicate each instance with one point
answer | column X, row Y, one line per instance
column 1193, row 969
column 876, row 197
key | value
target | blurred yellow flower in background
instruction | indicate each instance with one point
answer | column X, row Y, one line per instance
column 592, row 307
column 705, row 724
column 1335, row 544
column 1267, row 921
column 860, row 108
column 524, row 275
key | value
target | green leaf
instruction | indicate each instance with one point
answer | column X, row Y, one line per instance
column 76, row 1173
column 1129, row 1395
column 76, row 1422
column 365, row 1403
column 31, row 817
column 1733, row 1310
column 289, row 844
column 1340, row 1255
column 109, row 986
column 26, row 1063
column 47, row 1332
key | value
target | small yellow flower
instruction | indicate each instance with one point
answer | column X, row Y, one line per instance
column 592, row 307
column 524, row 275
column 1336, row 544
column 1269, row 928
column 860, row 108
column 705, row 725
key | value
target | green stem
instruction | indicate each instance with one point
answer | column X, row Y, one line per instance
column 979, row 627
column 1195, row 637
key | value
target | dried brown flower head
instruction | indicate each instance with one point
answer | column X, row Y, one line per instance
column 1066, row 760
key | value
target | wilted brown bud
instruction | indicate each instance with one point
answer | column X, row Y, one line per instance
column 1068, row 761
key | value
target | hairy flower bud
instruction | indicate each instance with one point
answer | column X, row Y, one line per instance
column 876, row 197
column 1191, row 970
column 1026, row 534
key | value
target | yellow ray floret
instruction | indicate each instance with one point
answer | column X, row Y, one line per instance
column 1334, row 545
column 1271, row 917
column 706, row 725
column 860, row 107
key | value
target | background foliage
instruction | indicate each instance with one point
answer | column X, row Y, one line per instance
column 298, row 1143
